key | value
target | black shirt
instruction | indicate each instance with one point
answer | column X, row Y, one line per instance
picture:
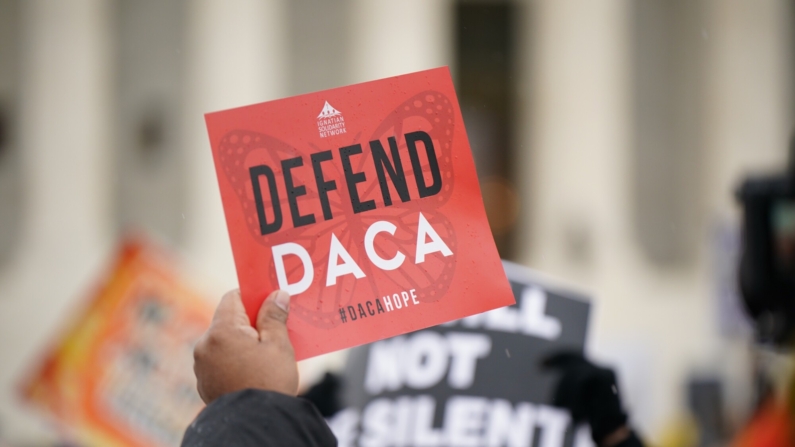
column 256, row 418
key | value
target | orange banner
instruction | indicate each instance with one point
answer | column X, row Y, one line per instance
column 122, row 374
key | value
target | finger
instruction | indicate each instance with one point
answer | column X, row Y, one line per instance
column 199, row 352
column 272, row 315
column 230, row 310
column 199, row 387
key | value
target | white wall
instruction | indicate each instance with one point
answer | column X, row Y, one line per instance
column 390, row 38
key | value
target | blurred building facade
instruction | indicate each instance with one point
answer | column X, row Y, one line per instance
column 609, row 136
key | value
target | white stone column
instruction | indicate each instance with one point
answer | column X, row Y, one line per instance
column 389, row 37
column 573, row 169
column 66, row 196
column 236, row 57
column 575, row 161
column 750, row 98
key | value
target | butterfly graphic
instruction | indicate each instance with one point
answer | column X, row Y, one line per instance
column 430, row 112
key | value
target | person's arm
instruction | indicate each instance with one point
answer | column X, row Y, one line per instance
column 253, row 417
column 590, row 393
column 248, row 378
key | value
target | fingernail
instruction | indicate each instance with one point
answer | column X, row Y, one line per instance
column 282, row 299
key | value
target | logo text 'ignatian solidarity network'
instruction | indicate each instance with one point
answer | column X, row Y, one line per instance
column 330, row 122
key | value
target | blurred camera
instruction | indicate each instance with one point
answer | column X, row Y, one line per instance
column 767, row 263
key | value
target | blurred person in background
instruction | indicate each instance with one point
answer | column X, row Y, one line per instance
column 767, row 282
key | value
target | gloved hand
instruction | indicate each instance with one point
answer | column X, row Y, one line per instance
column 590, row 393
column 326, row 395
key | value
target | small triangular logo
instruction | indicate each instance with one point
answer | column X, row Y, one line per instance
column 328, row 111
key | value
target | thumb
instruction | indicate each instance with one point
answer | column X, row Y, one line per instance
column 273, row 313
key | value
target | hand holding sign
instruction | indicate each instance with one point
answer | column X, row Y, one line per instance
column 590, row 393
column 232, row 356
column 369, row 213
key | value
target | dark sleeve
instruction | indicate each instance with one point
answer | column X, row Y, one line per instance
column 259, row 418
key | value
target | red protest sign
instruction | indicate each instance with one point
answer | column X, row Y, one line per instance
column 363, row 203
